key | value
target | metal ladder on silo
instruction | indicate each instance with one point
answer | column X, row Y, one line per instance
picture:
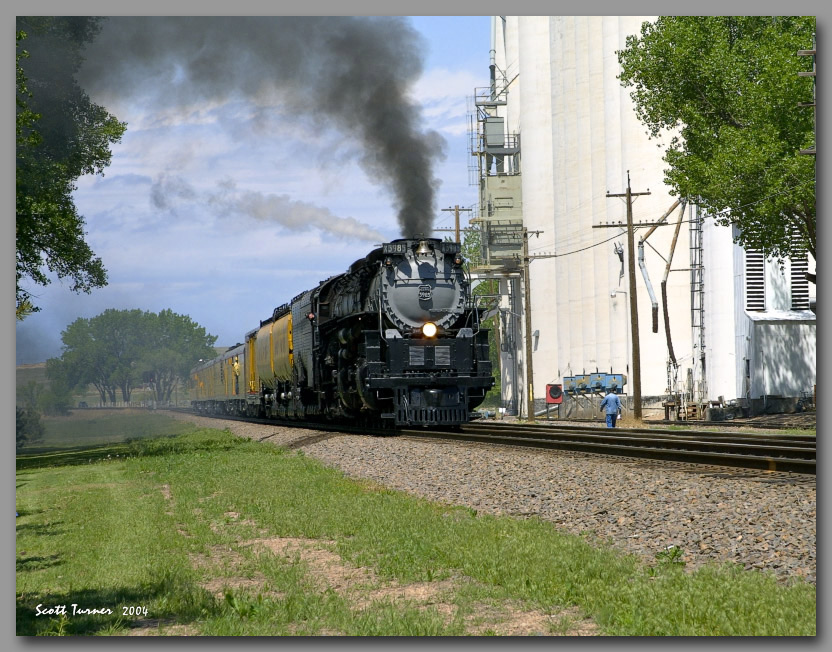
column 697, row 304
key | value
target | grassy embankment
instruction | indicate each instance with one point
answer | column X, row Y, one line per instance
column 207, row 534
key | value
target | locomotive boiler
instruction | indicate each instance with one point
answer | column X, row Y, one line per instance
column 394, row 340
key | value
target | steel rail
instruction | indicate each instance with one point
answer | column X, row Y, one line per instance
column 693, row 424
column 796, row 459
column 703, row 448
column 697, row 435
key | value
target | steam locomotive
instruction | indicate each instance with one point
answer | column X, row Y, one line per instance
column 396, row 340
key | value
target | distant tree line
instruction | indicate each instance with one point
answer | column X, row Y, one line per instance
column 120, row 350
column 116, row 352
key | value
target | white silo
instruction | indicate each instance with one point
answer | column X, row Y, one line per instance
column 570, row 141
column 579, row 138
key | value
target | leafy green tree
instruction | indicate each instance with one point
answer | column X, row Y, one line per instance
column 56, row 399
column 29, row 394
column 103, row 351
column 726, row 90
column 29, row 428
column 53, row 398
column 26, row 138
column 174, row 343
column 87, row 357
column 117, row 349
column 60, row 136
column 472, row 252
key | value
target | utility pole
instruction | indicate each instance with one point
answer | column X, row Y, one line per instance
column 456, row 210
column 527, row 317
column 633, row 302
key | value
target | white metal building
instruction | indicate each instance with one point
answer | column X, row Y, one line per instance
column 556, row 134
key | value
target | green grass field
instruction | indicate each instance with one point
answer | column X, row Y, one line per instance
column 198, row 532
column 95, row 427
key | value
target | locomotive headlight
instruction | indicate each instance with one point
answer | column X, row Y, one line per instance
column 429, row 329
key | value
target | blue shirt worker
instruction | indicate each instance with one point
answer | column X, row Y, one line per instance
column 613, row 405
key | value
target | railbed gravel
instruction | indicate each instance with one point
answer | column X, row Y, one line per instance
column 760, row 520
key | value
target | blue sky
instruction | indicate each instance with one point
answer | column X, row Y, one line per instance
column 160, row 218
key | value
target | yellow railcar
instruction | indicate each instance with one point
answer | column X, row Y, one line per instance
column 220, row 384
column 273, row 353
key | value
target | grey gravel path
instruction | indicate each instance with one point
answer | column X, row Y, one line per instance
column 759, row 520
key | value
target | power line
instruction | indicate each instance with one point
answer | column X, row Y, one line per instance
column 569, row 253
column 624, row 226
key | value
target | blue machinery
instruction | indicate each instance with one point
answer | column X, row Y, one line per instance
column 594, row 383
column 585, row 385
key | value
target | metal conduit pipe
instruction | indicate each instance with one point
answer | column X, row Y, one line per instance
column 649, row 285
column 664, row 287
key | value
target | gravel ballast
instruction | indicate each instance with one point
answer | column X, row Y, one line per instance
column 760, row 520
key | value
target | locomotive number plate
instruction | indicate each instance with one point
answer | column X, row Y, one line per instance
column 425, row 292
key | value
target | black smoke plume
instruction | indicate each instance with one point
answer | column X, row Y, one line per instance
column 353, row 73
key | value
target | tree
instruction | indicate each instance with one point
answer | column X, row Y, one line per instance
column 60, row 136
column 117, row 349
column 726, row 89
column 91, row 355
column 472, row 252
column 53, row 399
column 29, row 428
column 26, row 137
column 56, row 400
column 174, row 345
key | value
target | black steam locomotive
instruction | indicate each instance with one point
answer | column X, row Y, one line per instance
column 394, row 340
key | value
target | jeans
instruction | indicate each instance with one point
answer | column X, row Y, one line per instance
column 611, row 420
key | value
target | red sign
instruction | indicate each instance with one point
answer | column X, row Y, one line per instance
column 554, row 394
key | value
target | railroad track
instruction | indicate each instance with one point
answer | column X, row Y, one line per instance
column 775, row 452
column 770, row 452
column 784, row 423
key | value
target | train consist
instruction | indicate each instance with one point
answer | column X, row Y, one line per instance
column 395, row 340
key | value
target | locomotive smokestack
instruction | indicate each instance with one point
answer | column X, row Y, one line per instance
column 352, row 72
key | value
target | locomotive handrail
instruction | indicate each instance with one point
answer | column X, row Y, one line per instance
column 473, row 300
column 380, row 315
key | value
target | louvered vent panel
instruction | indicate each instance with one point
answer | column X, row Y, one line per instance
column 800, row 284
column 755, row 281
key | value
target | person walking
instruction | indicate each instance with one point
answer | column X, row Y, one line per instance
column 613, row 407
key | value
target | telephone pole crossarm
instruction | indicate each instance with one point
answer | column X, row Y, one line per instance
column 455, row 211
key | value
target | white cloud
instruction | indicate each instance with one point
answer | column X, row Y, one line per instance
column 443, row 95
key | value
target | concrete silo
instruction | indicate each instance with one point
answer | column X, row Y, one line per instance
column 559, row 141
column 578, row 137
